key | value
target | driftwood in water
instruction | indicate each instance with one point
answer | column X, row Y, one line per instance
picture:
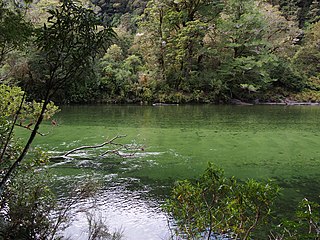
column 130, row 149
column 165, row 104
column 109, row 142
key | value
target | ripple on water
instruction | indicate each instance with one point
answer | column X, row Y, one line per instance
column 131, row 211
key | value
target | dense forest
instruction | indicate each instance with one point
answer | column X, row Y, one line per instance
column 178, row 51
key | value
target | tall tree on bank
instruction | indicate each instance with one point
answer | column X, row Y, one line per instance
column 307, row 58
column 67, row 47
column 255, row 43
column 244, row 53
column 174, row 30
column 302, row 11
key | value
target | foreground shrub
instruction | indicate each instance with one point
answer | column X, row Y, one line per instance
column 215, row 205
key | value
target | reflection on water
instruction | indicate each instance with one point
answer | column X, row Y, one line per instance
column 126, row 206
column 261, row 142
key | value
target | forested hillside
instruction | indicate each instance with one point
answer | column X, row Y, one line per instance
column 179, row 51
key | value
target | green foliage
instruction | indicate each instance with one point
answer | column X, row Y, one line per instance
column 241, row 43
column 281, row 35
column 308, row 57
column 28, row 112
column 216, row 205
column 119, row 75
column 10, row 100
column 113, row 10
column 171, row 39
column 313, row 14
column 290, row 9
column 204, row 51
column 9, row 105
column 286, row 77
column 242, row 29
column 15, row 31
column 67, row 47
column 305, row 224
column 314, row 83
column 27, row 202
column 15, row 111
column 307, row 96
column 302, row 11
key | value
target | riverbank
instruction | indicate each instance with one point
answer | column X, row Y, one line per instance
column 283, row 103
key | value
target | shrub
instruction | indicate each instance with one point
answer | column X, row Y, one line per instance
column 215, row 205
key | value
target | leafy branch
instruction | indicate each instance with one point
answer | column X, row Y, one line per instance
column 66, row 47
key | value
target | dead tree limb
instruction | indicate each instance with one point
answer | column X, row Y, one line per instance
column 109, row 142
column 117, row 151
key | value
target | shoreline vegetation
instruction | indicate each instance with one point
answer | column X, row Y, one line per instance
column 257, row 102
column 231, row 102
column 284, row 103
column 185, row 99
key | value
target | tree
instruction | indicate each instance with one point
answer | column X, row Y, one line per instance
column 281, row 34
column 304, row 224
column 119, row 74
column 67, row 46
column 291, row 9
column 14, row 30
column 307, row 61
column 282, row 37
column 302, row 11
column 15, row 111
column 313, row 14
column 242, row 46
column 174, row 32
column 149, row 41
column 255, row 44
column 112, row 10
column 25, row 210
column 308, row 56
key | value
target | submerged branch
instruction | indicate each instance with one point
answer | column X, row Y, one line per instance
column 116, row 151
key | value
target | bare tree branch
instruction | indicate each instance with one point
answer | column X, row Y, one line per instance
column 121, row 150
column 109, row 142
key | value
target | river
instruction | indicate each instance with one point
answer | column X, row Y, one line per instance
column 260, row 142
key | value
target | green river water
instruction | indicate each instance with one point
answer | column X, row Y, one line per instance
column 260, row 142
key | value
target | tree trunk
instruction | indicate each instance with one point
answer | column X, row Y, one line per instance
column 27, row 146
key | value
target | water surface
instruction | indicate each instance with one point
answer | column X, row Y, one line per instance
column 261, row 142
